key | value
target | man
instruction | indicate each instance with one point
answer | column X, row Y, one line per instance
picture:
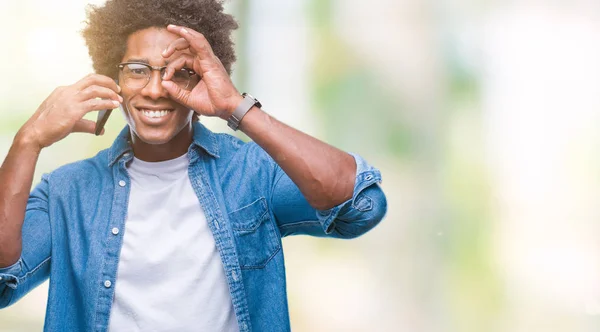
column 173, row 228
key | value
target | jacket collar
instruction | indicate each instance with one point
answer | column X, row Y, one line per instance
column 203, row 138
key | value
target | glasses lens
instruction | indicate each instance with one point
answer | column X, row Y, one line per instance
column 182, row 77
column 135, row 75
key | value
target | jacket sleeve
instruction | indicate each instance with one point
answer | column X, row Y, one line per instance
column 34, row 265
column 352, row 218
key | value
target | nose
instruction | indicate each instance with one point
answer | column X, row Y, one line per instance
column 154, row 89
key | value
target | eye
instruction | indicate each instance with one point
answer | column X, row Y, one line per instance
column 182, row 75
column 136, row 70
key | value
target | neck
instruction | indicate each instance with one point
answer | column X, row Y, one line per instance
column 172, row 149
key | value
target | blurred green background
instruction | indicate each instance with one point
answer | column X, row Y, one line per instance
column 482, row 116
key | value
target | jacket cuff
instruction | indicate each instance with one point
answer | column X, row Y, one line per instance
column 366, row 176
column 9, row 275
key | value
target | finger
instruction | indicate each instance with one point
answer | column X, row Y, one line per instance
column 99, row 104
column 183, row 61
column 96, row 79
column 96, row 91
column 85, row 126
column 198, row 43
column 180, row 95
column 179, row 44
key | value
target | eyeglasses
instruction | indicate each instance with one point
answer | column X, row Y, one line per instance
column 136, row 75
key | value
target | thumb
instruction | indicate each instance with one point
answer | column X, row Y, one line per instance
column 180, row 95
column 85, row 126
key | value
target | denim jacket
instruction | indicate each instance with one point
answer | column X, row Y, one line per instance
column 74, row 222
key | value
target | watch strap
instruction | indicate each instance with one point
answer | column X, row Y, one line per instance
column 236, row 117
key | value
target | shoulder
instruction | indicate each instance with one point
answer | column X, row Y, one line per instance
column 83, row 170
column 231, row 147
column 245, row 161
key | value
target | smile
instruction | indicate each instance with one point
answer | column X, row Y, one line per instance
column 155, row 114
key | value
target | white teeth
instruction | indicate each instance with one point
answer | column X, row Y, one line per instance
column 155, row 114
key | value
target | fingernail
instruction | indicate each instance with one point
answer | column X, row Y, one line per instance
column 164, row 52
column 119, row 88
column 116, row 103
column 171, row 25
column 120, row 99
column 183, row 30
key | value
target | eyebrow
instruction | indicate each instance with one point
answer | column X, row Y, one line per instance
column 143, row 60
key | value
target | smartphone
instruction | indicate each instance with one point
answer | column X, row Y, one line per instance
column 102, row 118
column 101, row 121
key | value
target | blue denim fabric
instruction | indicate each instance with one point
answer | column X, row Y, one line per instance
column 250, row 204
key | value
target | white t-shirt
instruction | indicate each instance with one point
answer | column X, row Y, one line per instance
column 170, row 276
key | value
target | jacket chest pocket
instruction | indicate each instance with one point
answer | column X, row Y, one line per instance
column 255, row 235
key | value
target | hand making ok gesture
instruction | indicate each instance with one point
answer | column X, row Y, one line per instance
column 215, row 94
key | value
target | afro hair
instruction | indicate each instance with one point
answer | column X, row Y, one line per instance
column 109, row 26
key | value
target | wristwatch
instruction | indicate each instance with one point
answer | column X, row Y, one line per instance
column 247, row 103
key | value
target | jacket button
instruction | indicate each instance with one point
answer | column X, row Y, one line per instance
column 369, row 177
column 107, row 283
column 115, row 231
column 122, row 183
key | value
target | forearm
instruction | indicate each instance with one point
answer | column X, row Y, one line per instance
column 16, row 177
column 324, row 174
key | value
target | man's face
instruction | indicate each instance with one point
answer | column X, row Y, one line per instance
column 144, row 108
